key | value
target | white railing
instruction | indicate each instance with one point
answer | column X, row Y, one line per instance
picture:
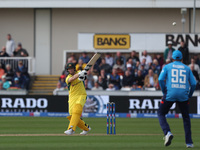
column 28, row 62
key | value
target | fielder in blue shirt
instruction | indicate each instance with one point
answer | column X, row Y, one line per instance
column 177, row 84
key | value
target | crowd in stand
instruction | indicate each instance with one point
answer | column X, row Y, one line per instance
column 13, row 73
column 120, row 72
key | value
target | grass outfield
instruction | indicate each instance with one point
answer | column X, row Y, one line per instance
column 21, row 133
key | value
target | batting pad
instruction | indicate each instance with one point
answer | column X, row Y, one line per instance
column 76, row 114
column 81, row 124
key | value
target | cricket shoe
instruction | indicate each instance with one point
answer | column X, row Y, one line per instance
column 189, row 145
column 69, row 132
column 168, row 138
column 85, row 132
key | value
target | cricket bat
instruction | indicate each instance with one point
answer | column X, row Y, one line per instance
column 92, row 61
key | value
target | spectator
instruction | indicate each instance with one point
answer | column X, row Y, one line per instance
column 196, row 76
column 110, row 87
column 105, row 66
column 10, row 45
column 130, row 68
column 21, row 77
column 86, row 85
column 72, row 59
column 151, row 80
column 103, row 74
column 143, row 70
column 134, row 58
column 122, row 58
column 84, row 57
column 166, row 62
column 109, row 59
column 58, row 88
column 3, row 52
column 155, row 62
column 2, row 71
column 168, row 51
column 143, row 63
column 24, row 72
column 96, row 87
column 65, row 72
column 102, row 82
column 62, row 81
column 115, row 79
column 160, row 60
column 185, row 52
column 90, row 79
column 9, row 73
column 16, row 83
column 139, row 80
column 1, row 85
column 81, row 65
column 20, row 52
column 6, row 84
column 196, row 60
column 196, row 67
column 147, row 57
column 155, row 70
column 127, row 80
column 120, row 67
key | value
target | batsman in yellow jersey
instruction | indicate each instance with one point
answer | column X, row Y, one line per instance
column 77, row 99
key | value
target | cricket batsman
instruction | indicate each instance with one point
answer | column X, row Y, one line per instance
column 77, row 99
column 177, row 84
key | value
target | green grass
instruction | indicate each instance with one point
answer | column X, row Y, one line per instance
column 139, row 134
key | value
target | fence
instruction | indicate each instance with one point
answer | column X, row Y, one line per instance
column 28, row 62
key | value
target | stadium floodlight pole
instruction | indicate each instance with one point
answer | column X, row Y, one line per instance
column 183, row 12
column 194, row 16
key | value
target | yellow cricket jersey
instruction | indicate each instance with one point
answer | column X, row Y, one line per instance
column 76, row 87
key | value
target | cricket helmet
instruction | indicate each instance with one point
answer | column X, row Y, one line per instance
column 70, row 66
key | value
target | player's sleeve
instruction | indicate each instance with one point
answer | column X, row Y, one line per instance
column 162, row 78
column 192, row 83
column 66, row 80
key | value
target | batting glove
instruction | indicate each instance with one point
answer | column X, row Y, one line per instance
column 82, row 73
column 87, row 68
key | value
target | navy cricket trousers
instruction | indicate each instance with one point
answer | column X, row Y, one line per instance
column 184, row 108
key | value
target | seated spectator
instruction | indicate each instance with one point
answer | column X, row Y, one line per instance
column 1, row 85
column 84, row 57
column 134, row 58
column 58, row 88
column 20, row 52
column 134, row 65
column 9, row 73
column 127, row 80
column 16, row 84
column 143, row 63
column 139, row 80
column 105, row 66
column 96, row 69
column 86, row 85
column 151, row 80
column 96, row 87
column 196, row 67
column 196, row 59
column 195, row 75
column 110, row 87
column 122, row 58
column 109, row 59
column 6, row 84
column 103, row 74
column 72, row 59
column 115, row 79
column 157, row 66
column 24, row 72
column 155, row 70
column 120, row 67
column 130, row 69
column 21, row 77
column 62, row 81
column 102, row 82
column 90, row 79
column 2, row 71
column 147, row 57
column 3, row 52
column 81, row 65
column 143, row 70
column 166, row 62
column 160, row 60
